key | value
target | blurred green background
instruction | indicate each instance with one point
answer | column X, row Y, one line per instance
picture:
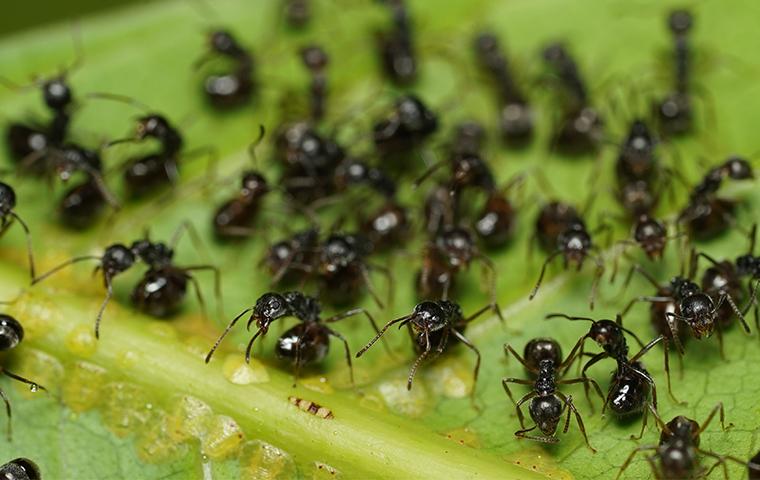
column 19, row 16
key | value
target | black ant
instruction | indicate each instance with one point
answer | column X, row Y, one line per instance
column 574, row 243
column 11, row 334
column 297, row 12
column 674, row 112
column 163, row 285
column 547, row 404
column 396, row 46
column 678, row 448
column 496, row 221
column 230, row 89
column 306, row 343
column 234, row 217
column 649, row 234
column 433, row 326
column 388, row 226
column 8, row 215
column 693, row 307
column 516, row 117
column 580, row 129
column 537, row 349
column 405, row 126
column 293, row 256
column 754, row 467
column 316, row 60
column 554, row 218
column 20, row 469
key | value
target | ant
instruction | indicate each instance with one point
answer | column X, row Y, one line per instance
column 537, row 349
column 409, row 122
column 163, row 285
column 433, row 327
column 496, row 221
column 387, row 226
column 754, row 467
column 674, row 112
column 297, row 12
column 649, row 234
column 306, row 343
column 230, row 89
column 554, row 218
column 693, row 306
column 20, row 469
column 234, row 217
column 580, row 129
column 574, row 242
column 547, row 404
column 396, row 47
column 678, row 448
column 8, row 215
column 11, row 334
column 316, row 60
column 516, row 116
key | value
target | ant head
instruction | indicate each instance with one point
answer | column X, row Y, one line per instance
column 340, row 250
column 469, row 136
column 57, row 93
column 680, row 21
column 153, row 125
column 639, row 137
column 680, row 427
column 607, row 334
column 269, row 307
column 75, row 158
column 116, row 259
column 575, row 242
column 429, row 316
column 11, row 332
column 415, row 115
column 699, row 310
column 516, row 120
column 683, row 287
column 739, row 169
column 651, row 235
column 457, row 244
column 254, row 184
column 222, row 41
column 314, row 57
column 546, row 412
column 471, row 169
column 542, row 349
column 555, row 54
column 7, row 199
column 486, row 43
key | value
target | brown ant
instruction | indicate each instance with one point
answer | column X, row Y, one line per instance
column 316, row 59
column 674, row 112
column 408, row 123
column 580, row 129
column 20, row 469
column 230, row 89
column 678, row 448
column 516, row 117
column 554, row 218
column 163, row 285
column 396, row 46
column 8, row 215
column 547, row 404
column 11, row 334
column 433, row 327
column 650, row 235
column 306, row 343
column 496, row 221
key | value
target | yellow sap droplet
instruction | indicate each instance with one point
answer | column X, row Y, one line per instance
column 39, row 367
column 464, row 436
column 128, row 359
column 537, row 460
column 153, row 443
column 237, row 371
column 125, row 408
column 36, row 313
column 317, row 384
column 413, row 403
column 262, row 461
column 83, row 387
column 223, row 438
column 188, row 418
column 323, row 471
column 449, row 377
column 81, row 341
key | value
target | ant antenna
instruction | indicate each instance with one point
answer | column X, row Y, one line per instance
column 120, row 98
column 226, row 331
column 405, row 319
column 28, row 235
column 63, row 265
column 254, row 145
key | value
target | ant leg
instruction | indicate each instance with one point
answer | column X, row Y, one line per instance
column 518, row 406
column 645, row 298
column 571, row 406
column 33, row 386
column 354, row 312
column 199, row 296
column 619, row 321
column 488, row 265
column 670, row 319
column 721, row 461
column 388, row 277
column 598, row 272
column 217, row 285
column 370, row 288
column 483, row 310
column 596, row 358
column 28, row 235
column 381, row 332
column 8, row 412
column 590, row 380
column 348, row 352
column 504, row 383
column 472, row 347
column 716, row 409
column 666, row 360
column 109, row 294
column 508, row 349
column 543, row 271
column 537, row 438
column 226, row 331
column 628, row 460
column 736, row 310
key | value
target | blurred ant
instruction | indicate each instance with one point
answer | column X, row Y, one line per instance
column 554, row 218
column 407, row 124
column 20, row 469
column 316, row 60
column 230, row 89
column 650, row 235
column 610, row 336
column 516, row 117
column 163, row 285
column 292, row 257
column 11, row 334
column 297, row 12
column 433, row 327
column 547, row 404
column 674, row 112
column 580, row 128
column 306, row 343
column 693, row 307
column 496, row 221
column 707, row 215
column 678, row 448
column 8, row 215
column 396, row 46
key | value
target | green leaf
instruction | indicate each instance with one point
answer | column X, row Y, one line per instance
column 140, row 402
